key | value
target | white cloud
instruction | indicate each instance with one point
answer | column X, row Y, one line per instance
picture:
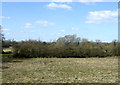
column 54, row 5
column 75, row 29
column 28, row 25
column 102, row 16
column 85, row 1
column 90, row 1
column 4, row 17
column 44, row 23
column 61, row 0
column 61, row 31
column 3, row 29
column 39, row 22
column 54, row 0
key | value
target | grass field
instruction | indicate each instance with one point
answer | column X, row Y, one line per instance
column 61, row 70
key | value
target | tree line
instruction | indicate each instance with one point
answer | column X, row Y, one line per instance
column 65, row 47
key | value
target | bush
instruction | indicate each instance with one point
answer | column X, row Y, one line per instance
column 61, row 49
column 27, row 49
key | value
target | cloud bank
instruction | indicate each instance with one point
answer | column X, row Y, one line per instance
column 54, row 5
column 102, row 16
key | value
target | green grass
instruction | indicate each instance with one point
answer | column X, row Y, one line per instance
column 61, row 70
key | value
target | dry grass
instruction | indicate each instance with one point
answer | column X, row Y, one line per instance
column 61, row 70
column 10, row 49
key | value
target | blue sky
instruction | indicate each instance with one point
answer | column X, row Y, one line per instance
column 48, row 21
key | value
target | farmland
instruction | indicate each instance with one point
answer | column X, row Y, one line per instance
column 60, row 70
column 68, row 60
column 59, row 42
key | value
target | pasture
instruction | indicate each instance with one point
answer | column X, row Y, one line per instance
column 60, row 70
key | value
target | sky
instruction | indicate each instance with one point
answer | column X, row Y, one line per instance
column 47, row 21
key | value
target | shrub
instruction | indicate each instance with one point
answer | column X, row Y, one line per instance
column 65, row 49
